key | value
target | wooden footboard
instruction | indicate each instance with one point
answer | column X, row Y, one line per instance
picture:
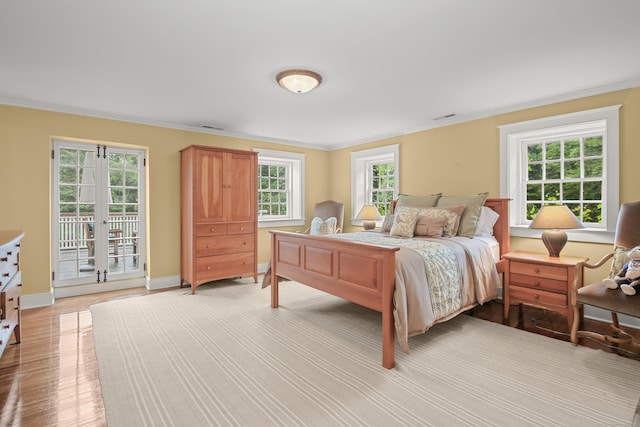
column 360, row 273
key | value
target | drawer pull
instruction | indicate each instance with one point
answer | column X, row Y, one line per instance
column 9, row 253
column 6, row 326
column 536, row 283
column 241, row 228
column 537, row 270
column 212, row 229
column 11, row 299
column 536, row 296
column 17, row 308
column 208, row 267
column 4, row 259
column 5, row 274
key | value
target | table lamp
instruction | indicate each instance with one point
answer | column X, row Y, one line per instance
column 369, row 214
column 555, row 219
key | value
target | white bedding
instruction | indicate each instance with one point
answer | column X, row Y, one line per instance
column 436, row 279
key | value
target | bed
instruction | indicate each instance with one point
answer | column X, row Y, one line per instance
column 372, row 274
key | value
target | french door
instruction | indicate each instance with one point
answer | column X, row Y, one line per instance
column 98, row 214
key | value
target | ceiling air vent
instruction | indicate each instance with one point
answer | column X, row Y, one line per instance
column 446, row 116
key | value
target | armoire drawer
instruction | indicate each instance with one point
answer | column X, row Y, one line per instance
column 219, row 266
column 219, row 245
column 241, row 228
column 211, row 229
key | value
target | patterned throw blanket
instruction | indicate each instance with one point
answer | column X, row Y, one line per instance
column 435, row 278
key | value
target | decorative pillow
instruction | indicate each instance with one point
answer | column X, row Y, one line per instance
column 387, row 223
column 620, row 257
column 427, row 201
column 451, row 217
column 488, row 218
column 430, row 226
column 473, row 207
column 404, row 221
column 320, row 226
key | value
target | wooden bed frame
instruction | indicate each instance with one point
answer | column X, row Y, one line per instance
column 358, row 272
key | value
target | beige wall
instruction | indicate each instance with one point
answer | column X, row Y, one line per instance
column 25, row 171
column 464, row 159
column 456, row 159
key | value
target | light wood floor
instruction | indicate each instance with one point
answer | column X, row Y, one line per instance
column 51, row 378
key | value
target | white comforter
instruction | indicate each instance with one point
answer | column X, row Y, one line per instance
column 436, row 279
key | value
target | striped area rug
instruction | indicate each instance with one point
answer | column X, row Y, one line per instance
column 224, row 357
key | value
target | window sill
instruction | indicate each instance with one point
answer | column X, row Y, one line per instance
column 289, row 222
column 585, row 235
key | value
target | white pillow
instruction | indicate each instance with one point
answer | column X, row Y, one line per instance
column 320, row 226
column 488, row 218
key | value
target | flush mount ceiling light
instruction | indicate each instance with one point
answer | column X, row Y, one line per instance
column 299, row 81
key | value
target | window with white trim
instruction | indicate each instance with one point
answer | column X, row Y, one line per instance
column 571, row 160
column 280, row 184
column 374, row 179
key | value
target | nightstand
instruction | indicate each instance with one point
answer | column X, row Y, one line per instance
column 542, row 281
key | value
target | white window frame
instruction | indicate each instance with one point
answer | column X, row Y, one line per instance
column 360, row 187
column 512, row 139
column 294, row 162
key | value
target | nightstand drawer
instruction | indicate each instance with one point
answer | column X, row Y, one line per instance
column 539, row 283
column 546, row 271
column 531, row 296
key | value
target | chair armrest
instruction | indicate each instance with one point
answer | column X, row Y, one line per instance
column 599, row 263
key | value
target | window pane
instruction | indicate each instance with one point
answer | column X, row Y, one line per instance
column 535, row 172
column 552, row 150
column 592, row 213
column 572, row 149
column 551, row 192
column 571, row 191
column 592, row 190
column 572, row 169
column 553, row 171
column 593, row 146
column 534, row 152
column 593, row 168
column 534, row 191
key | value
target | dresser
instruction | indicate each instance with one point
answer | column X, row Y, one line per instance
column 542, row 281
column 10, row 285
column 218, row 214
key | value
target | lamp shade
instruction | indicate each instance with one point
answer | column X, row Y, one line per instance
column 369, row 214
column 554, row 219
column 299, row 81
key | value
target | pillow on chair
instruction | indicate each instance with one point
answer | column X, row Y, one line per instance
column 620, row 257
column 321, row 226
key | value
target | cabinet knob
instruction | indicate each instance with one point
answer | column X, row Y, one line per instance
column 9, row 253
column 536, row 296
column 536, row 283
column 11, row 299
column 4, row 259
column 241, row 228
column 212, row 229
column 208, row 267
column 6, row 326
column 537, row 270
column 5, row 274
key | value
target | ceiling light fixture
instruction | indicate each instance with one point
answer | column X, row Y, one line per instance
column 299, row 81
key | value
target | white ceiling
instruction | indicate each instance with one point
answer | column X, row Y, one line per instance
column 389, row 66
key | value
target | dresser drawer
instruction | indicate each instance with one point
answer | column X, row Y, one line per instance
column 211, row 229
column 519, row 294
column 10, row 299
column 221, row 266
column 220, row 245
column 540, row 283
column 8, row 263
column 241, row 228
column 545, row 271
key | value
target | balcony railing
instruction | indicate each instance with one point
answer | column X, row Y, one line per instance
column 73, row 229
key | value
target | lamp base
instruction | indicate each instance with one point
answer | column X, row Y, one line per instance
column 554, row 241
column 369, row 225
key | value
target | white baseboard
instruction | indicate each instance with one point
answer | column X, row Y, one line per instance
column 36, row 300
column 163, row 283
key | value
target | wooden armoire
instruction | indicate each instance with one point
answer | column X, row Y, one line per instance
column 218, row 198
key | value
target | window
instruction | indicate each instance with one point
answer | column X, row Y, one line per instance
column 374, row 179
column 280, row 184
column 571, row 160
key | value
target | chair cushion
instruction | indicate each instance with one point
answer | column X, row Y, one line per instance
column 598, row 295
